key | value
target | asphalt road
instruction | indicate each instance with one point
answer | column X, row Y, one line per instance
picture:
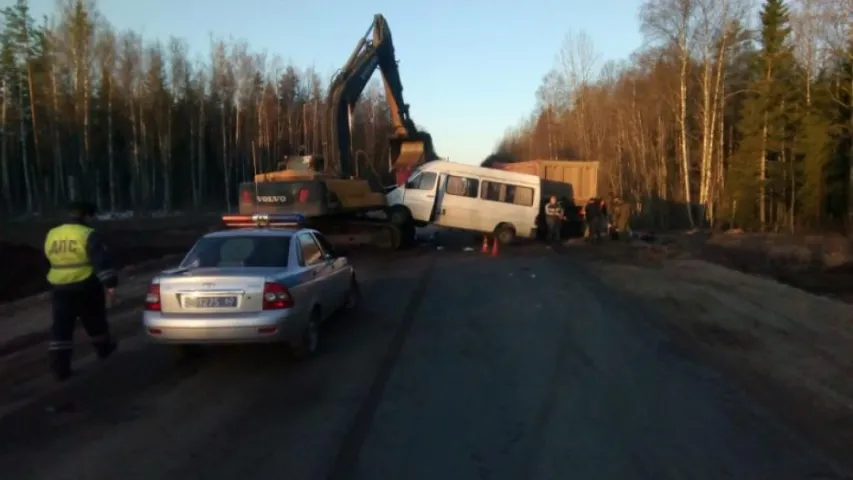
column 459, row 366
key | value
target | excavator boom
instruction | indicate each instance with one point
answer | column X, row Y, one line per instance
column 408, row 145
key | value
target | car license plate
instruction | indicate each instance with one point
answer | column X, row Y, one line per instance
column 210, row 302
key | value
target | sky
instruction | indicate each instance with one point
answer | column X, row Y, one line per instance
column 470, row 68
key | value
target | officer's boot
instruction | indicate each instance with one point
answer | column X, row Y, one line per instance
column 104, row 348
column 60, row 363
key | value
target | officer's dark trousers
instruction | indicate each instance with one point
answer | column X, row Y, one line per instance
column 85, row 301
column 554, row 226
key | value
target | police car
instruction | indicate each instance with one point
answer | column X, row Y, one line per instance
column 263, row 279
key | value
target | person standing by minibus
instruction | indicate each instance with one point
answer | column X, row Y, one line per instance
column 554, row 216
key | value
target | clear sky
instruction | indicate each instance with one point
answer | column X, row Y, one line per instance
column 470, row 68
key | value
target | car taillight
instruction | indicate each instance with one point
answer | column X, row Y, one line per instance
column 152, row 298
column 303, row 195
column 246, row 197
column 276, row 297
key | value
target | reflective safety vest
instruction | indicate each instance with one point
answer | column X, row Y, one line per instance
column 65, row 249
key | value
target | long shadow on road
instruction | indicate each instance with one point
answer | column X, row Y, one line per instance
column 119, row 392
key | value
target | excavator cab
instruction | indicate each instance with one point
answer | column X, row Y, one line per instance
column 305, row 164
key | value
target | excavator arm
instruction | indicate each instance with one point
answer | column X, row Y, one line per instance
column 409, row 146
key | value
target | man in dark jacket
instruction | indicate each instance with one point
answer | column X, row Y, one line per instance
column 554, row 216
column 593, row 214
column 81, row 276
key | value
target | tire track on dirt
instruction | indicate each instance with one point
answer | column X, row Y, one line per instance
column 350, row 448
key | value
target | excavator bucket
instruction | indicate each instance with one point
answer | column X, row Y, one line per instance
column 411, row 154
column 407, row 155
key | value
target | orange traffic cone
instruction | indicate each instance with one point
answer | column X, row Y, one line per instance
column 495, row 248
column 485, row 247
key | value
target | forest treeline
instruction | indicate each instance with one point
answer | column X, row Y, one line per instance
column 88, row 112
column 743, row 113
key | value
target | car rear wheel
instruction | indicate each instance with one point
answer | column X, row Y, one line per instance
column 310, row 341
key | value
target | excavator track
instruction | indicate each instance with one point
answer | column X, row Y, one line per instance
column 354, row 232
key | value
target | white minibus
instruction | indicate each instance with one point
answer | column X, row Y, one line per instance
column 468, row 197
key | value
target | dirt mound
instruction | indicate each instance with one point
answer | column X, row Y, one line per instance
column 24, row 267
column 790, row 252
column 796, row 344
column 820, row 264
column 23, row 272
column 131, row 241
column 817, row 265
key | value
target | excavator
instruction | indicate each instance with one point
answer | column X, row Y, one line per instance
column 330, row 191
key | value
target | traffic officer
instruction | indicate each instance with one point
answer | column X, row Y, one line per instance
column 81, row 277
column 554, row 217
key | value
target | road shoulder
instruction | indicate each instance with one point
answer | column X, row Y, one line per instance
column 26, row 322
column 788, row 348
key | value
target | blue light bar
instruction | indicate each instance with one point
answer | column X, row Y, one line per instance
column 294, row 218
column 264, row 220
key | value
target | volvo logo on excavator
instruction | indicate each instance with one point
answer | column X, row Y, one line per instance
column 271, row 198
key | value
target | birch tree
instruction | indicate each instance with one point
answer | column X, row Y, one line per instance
column 673, row 22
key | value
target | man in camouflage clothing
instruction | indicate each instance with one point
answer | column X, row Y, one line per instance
column 554, row 216
column 621, row 216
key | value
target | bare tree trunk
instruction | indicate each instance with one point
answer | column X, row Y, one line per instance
column 193, row 161
column 137, row 167
column 4, row 148
column 236, row 150
column 22, row 128
column 202, row 160
column 166, row 157
column 86, row 130
column 762, row 176
column 682, row 127
column 110, row 150
column 226, row 171
column 37, row 153
column 58, row 165
column 707, row 146
column 850, row 155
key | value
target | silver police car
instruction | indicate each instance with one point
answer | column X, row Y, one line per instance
column 264, row 280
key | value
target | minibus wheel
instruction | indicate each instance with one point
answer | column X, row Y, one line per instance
column 505, row 234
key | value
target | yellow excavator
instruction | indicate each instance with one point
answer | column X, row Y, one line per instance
column 330, row 190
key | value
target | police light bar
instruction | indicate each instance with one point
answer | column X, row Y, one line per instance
column 263, row 220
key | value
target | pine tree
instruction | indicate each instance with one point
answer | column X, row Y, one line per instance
column 815, row 147
column 758, row 172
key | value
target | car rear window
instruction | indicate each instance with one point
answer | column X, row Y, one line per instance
column 239, row 251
